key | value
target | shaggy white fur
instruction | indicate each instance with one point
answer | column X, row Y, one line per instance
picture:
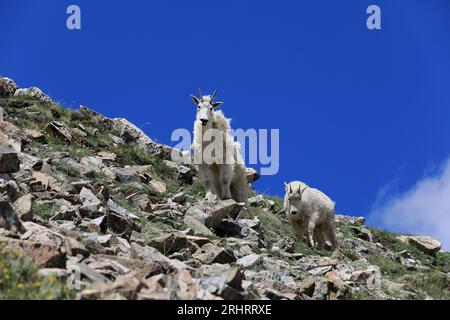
column 311, row 214
column 222, row 171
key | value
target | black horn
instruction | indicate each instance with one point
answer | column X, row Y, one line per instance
column 200, row 93
column 213, row 95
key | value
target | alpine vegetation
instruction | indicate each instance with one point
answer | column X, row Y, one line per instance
column 221, row 169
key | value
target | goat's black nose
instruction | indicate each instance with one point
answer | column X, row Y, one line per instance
column 204, row 121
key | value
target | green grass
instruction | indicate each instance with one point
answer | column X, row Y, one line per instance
column 432, row 284
column 19, row 280
column 387, row 267
column 44, row 209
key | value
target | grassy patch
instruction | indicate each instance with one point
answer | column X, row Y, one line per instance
column 45, row 209
column 19, row 280
column 432, row 284
column 388, row 267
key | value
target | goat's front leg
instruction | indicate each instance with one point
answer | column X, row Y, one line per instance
column 299, row 229
column 311, row 227
column 206, row 177
column 226, row 175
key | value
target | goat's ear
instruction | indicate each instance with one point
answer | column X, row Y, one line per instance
column 195, row 99
column 217, row 104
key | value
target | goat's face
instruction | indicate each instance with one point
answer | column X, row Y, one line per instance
column 205, row 107
column 294, row 194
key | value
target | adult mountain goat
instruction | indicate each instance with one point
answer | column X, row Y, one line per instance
column 216, row 154
column 311, row 214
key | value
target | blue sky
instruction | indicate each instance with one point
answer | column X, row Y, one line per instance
column 363, row 115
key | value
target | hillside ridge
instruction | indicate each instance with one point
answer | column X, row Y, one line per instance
column 93, row 208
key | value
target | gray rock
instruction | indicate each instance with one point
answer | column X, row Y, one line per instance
column 9, row 161
column 91, row 204
column 350, row 219
column 249, row 261
column 212, row 214
column 7, row 87
column 59, row 129
column 98, row 224
column 179, row 198
column 43, row 255
column 125, row 175
column 33, row 92
column 210, row 253
column 224, row 283
column 425, row 244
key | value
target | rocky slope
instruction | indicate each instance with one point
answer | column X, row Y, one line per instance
column 92, row 208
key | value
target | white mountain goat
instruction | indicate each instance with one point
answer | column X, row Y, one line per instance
column 311, row 214
column 216, row 154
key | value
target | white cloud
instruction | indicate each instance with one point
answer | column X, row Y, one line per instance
column 423, row 210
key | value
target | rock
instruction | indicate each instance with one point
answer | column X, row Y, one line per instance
column 43, row 255
column 98, row 224
column 286, row 244
column 125, row 175
column 179, row 198
column 66, row 211
column 252, row 175
column 224, row 283
column 157, row 258
column 228, row 228
column 249, row 261
column 425, row 244
column 40, row 234
column 9, row 161
column 158, row 186
column 171, row 243
column 107, row 156
column 23, row 206
column 86, row 272
column 7, row 87
column 320, row 270
column 362, row 233
column 54, row 272
column 367, row 274
column 9, row 219
column 307, row 286
column 42, row 182
column 260, row 201
column 199, row 228
column 33, row 92
column 212, row 214
column 12, row 136
column 120, row 210
column 91, row 204
column 120, row 224
column 350, row 219
column 60, row 130
column 184, row 174
column 210, row 253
